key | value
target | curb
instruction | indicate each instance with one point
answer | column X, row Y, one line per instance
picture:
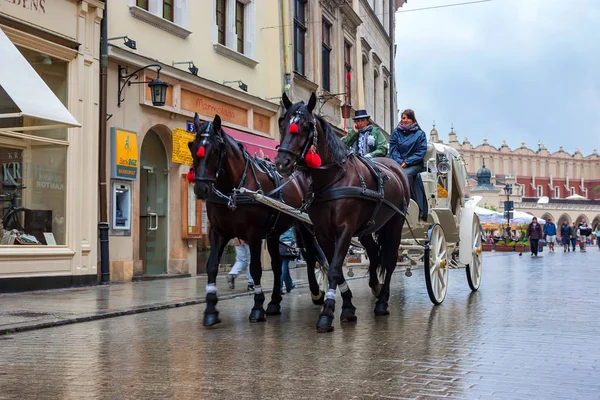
column 132, row 311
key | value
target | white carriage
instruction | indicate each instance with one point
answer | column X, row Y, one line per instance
column 452, row 235
column 450, row 238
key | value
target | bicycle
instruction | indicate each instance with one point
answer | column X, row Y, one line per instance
column 10, row 219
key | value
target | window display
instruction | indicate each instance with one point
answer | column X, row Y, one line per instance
column 33, row 194
column 33, row 169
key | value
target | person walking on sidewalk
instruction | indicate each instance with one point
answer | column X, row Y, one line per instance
column 598, row 235
column 565, row 235
column 286, row 251
column 583, row 231
column 242, row 260
column 574, row 235
column 550, row 234
column 534, row 233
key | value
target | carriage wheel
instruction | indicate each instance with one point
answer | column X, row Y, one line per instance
column 436, row 264
column 475, row 269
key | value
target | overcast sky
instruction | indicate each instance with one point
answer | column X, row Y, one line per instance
column 519, row 70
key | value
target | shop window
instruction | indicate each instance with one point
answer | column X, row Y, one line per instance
column 54, row 73
column 32, row 192
column 300, row 36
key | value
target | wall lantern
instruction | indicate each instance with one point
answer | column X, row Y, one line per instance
column 158, row 87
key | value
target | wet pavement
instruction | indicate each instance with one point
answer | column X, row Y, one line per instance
column 39, row 309
column 531, row 332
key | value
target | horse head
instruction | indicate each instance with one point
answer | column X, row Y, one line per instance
column 297, row 130
column 208, row 152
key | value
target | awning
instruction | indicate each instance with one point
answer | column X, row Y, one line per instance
column 254, row 143
column 23, row 93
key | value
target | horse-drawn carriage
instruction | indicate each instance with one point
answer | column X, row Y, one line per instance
column 343, row 195
column 450, row 238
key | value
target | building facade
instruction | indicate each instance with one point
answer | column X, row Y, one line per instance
column 49, row 168
column 343, row 51
column 546, row 184
column 221, row 59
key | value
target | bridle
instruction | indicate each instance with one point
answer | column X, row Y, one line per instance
column 311, row 140
column 222, row 154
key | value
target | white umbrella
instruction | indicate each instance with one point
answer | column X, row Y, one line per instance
column 575, row 197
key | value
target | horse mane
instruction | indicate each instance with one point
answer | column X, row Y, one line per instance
column 338, row 152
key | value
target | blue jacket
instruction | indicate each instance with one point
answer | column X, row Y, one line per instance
column 287, row 236
column 550, row 229
column 409, row 147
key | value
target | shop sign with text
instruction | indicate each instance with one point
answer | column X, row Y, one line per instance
column 124, row 154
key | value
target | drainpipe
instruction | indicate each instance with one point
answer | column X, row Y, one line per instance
column 287, row 65
column 103, row 220
column 393, row 67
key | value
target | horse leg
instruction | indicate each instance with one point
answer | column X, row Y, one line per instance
column 311, row 252
column 258, row 312
column 274, row 307
column 217, row 245
column 336, row 252
column 390, row 242
column 372, row 249
column 348, row 310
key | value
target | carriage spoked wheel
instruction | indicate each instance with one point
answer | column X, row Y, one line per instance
column 475, row 269
column 436, row 264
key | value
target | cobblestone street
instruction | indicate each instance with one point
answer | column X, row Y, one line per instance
column 531, row 332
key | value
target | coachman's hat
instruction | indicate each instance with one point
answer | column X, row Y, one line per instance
column 361, row 114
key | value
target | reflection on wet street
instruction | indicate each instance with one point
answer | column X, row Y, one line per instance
column 531, row 332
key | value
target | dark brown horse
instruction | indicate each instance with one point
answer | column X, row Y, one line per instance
column 221, row 165
column 350, row 197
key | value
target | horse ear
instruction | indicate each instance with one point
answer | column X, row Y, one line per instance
column 197, row 122
column 312, row 103
column 217, row 124
column 285, row 101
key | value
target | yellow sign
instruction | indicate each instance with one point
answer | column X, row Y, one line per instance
column 124, row 154
column 181, row 151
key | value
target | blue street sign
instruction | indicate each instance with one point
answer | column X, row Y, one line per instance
column 189, row 126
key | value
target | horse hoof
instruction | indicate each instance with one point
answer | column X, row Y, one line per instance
column 211, row 319
column 381, row 309
column 376, row 290
column 273, row 309
column 324, row 324
column 348, row 315
column 318, row 300
column 257, row 315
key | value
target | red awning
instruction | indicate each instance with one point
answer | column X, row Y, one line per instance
column 254, row 143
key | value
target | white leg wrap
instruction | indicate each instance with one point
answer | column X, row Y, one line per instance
column 344, row 287
column 257, row 289
column 211, row 288
column 330, row 295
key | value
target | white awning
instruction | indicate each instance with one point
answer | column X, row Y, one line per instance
column 23, row 93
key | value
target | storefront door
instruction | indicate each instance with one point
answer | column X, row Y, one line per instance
column 154, row 200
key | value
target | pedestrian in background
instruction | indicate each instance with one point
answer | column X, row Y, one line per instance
column 286, row 251
column 583, row 231
column 565, row 235
column 550, row 234
column 598, row 235
column 574, row 235
column 242, row 260
column 534, row 233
